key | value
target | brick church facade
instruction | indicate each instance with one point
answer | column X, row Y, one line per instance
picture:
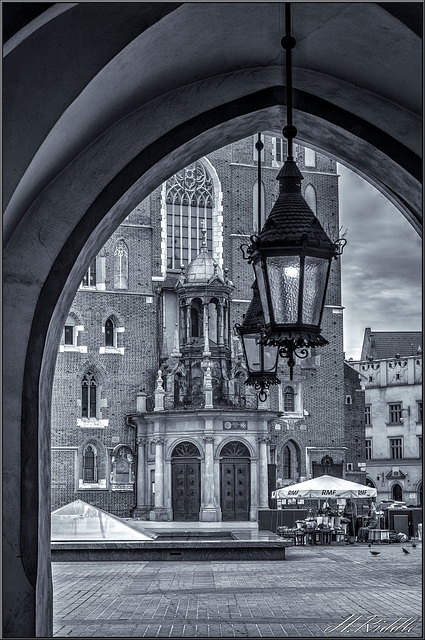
column 150, row 414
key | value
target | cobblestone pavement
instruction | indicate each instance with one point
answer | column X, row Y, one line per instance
column 315, row 592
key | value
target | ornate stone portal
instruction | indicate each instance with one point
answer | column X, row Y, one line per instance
column 203, row 451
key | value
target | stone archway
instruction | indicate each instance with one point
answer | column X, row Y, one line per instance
column 109, row 138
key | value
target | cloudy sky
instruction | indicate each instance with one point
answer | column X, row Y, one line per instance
column 381, row 264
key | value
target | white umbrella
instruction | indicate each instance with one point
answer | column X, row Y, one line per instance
column 325, row 487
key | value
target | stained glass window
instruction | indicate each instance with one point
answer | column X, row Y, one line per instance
column 189, row 204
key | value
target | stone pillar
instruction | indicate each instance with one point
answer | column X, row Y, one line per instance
column 142, row 507
column 263, row 471
column 209, row 512
column 220, row 327
column 188, row 319
column 182, row 323
column 207, row 351
column 159, row 512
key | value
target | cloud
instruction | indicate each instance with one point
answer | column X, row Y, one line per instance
column 381, row 265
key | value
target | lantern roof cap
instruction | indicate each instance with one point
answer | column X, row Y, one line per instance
column 254, row 318
column 292, row 222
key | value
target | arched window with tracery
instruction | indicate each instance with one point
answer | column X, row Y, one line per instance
column 289, row 399
column 88, row 396
column 90, row 464
column 189, row 206
column 121, row 265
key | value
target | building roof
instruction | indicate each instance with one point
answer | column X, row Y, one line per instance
column 387, row 344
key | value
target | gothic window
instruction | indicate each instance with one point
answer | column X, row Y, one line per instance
column 109, row 333
column 289, row 399
column 286, row 463
column 189, row 205
column 121, row 266
column 255, row 206
column 90, row 464
column 311, row 198
column 70, row 332
column 89, row 279
column 88, row 396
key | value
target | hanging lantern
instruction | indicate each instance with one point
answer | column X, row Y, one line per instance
column 292, row 254
column 261, row 360
column 292, row 257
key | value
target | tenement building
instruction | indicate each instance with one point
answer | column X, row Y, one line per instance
column 391, row 375
column 151, row 416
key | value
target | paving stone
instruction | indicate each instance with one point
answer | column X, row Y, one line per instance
column 308, row 595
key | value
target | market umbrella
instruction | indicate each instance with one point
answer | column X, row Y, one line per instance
column 325, row 487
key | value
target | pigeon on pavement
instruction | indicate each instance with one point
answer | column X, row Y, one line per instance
column 375, row 553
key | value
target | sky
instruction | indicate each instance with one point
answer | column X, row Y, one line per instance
column 381, row 264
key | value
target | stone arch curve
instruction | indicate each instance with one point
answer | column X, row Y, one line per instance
column 238, row 439
column 175, row 443
column 95, row 170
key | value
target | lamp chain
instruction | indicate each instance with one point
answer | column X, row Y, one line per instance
column 288, row 42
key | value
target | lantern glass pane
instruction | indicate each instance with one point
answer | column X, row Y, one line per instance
column 262, row 291
column 315, row 274
column 270, row 355
column 252, row 351
column 284, row 279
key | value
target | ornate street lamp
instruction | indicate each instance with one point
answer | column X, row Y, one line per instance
column 261, row 360
column 292, row 254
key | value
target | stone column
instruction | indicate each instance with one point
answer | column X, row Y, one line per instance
column 263, row 470
column 220, row 326
column 207, row 351
column 209, row 512
column 159, row 512
column 188, row 319
column 142, row 508
column 182, row 324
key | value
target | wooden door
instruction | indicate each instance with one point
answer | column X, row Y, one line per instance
column 186, row 490
column 235, row 489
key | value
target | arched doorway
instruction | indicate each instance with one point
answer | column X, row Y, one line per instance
column 420, row 503
column 235, row 481
column 186, row 482
column 370, row 483
column 397, row 493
